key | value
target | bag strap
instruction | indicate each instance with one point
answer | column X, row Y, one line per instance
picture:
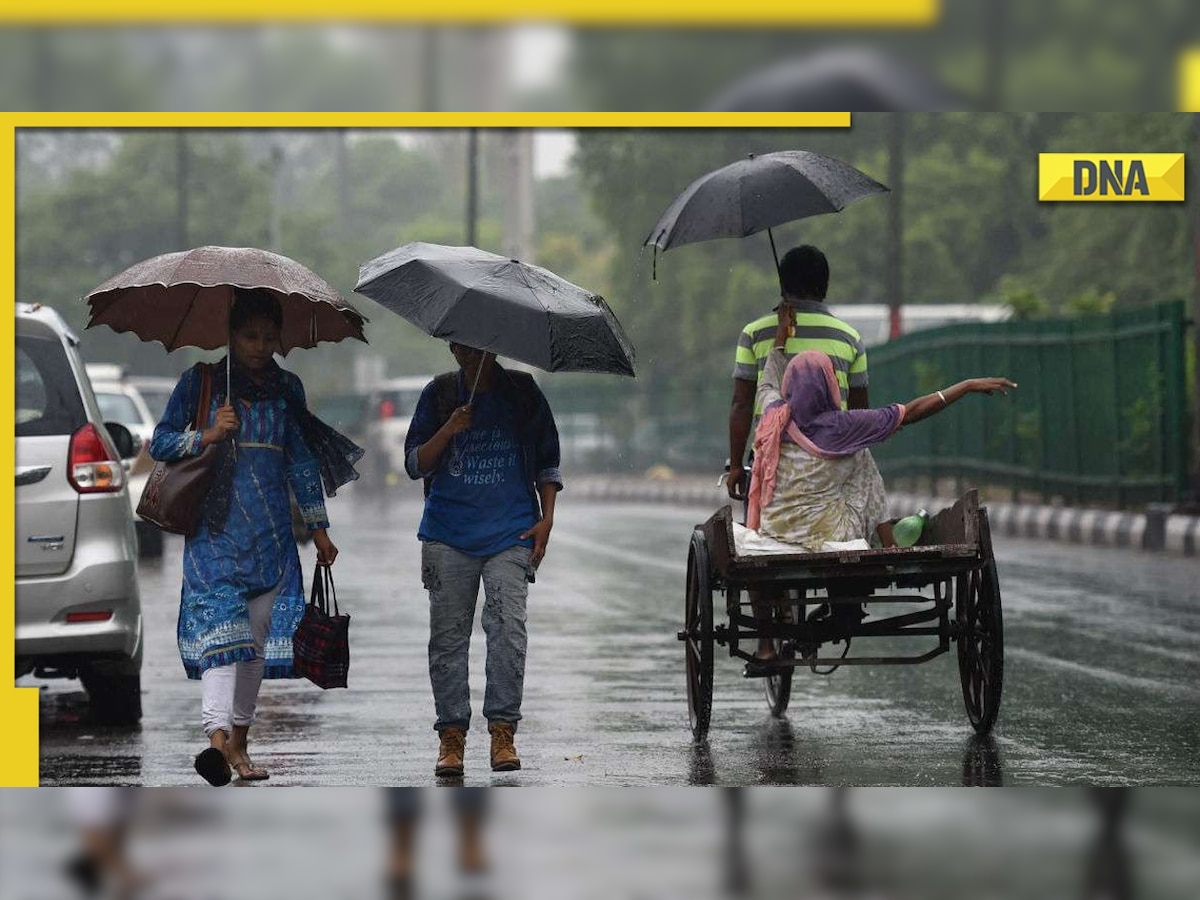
column 201, row 420
column 445, row 395
column 316, row 596
column 330, row 590
column 323, row 591
column 525, row 391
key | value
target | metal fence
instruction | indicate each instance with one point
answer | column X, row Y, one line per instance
column 1100, row 415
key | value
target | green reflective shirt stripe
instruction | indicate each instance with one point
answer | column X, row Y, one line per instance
column 804, row 320
column 816, row 329
column 816, row 319
column 835, row 349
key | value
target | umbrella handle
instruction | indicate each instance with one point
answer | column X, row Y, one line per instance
column 229, row 365
column 478, row 372
column 229, row 392
column 774, row 252
column 229, row 350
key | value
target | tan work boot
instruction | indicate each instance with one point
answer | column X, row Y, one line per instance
column 504, row 751
column 450, row 753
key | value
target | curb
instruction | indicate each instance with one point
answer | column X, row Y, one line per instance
column 687, row 493
column 1154, row 531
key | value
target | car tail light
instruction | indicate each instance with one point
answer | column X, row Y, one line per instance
column 92, row 468
column 387, row 409
column 100, row 615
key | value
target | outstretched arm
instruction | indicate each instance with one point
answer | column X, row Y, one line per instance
column 931, row 404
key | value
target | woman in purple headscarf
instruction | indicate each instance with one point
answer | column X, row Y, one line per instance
column 814, row 479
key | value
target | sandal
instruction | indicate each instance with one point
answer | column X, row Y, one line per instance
column 246, row 771
column 213, row 767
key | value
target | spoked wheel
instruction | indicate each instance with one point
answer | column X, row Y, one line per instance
column 698, row 645
column 980, row 638
column 779, row 685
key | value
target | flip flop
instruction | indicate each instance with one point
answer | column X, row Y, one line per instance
column 212, row 766
column 246, row 771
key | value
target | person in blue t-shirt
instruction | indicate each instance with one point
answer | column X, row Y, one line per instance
column 484, row 440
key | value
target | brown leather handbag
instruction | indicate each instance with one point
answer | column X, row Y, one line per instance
column 173, row 498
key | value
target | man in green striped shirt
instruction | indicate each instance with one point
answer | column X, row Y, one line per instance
column 804, row 281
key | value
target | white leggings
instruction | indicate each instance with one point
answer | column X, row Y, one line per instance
column 231, row 692
column 99, row 807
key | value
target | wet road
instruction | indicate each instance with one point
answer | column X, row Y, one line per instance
column 666, row 842
column 1102, row 679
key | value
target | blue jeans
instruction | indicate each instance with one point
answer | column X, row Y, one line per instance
column 452, row 579
column 404, row 803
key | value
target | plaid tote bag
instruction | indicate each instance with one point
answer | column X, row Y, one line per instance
column 321, row 644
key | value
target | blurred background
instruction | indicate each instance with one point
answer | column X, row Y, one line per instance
column 988, row 54
column 663, row 842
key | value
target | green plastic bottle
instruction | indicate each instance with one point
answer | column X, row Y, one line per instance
column 908, row 530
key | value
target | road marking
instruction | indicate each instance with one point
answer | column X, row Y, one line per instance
column 1132, row 681
column 676, row 567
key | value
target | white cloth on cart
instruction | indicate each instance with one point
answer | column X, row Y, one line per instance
column 753, row 543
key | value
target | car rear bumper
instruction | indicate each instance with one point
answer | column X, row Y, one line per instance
column 43, row 605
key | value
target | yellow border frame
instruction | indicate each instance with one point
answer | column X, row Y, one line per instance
column 18, row 708
column 815, row 13
column 19, row 756
column 416, row 120
column 1189, row 80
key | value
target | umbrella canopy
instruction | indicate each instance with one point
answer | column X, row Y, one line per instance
column 500, row 305
column 183, row 299
column 758, row 193
column 860, row 79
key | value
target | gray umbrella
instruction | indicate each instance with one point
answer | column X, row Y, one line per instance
column 758, row 193
column 859, row 79
column 499, row 305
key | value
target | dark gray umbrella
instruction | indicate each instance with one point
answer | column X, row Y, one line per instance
column 499, row 305
column 858, row 79
column 758, row 193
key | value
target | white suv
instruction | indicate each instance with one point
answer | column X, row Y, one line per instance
column 120, row 400
column 389, row 411
column 78, row 610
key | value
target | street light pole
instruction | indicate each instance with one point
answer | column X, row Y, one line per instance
column 181, row 189
column 994, row 42
column 895, row 262
column 275, row 216
column 472, row 185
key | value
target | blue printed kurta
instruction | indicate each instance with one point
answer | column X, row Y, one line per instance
column 256, row 552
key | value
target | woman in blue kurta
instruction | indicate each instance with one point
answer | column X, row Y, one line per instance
column 243, row 592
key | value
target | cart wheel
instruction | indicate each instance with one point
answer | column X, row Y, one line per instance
column 698, row 647
column 980, row 639
column 779, row 685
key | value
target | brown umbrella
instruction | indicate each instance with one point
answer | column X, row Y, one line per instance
column 183, row 299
